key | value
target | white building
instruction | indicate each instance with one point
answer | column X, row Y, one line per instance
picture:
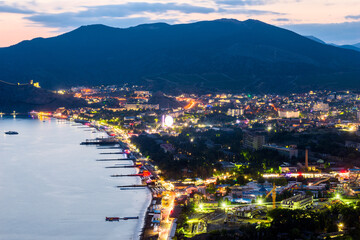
column 320, row 106
column 287, row 113
column 137, row 106
column 235, row 112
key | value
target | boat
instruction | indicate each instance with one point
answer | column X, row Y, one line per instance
column 11, row 133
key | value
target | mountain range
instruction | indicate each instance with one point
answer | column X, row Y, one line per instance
column 223, row 54
column 355, row 47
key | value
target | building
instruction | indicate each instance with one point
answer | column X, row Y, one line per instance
column 143, row 93
column 167, row 147
column 177, row 114
column 288, row 113
column 254, row 140
column 139, row 106
column 285, row 151
column 245, row 212
column 320, row 106
column 227, row 165
column 129, row 118
column 235, row 112
column 352, row 144
column 35, row 84
column 299, row 201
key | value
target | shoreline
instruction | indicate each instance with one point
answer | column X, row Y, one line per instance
column 146, row 220
column 144, row 225
column 27, row 127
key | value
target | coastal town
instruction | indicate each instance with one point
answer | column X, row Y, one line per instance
column 241, row 166
column 180, row 120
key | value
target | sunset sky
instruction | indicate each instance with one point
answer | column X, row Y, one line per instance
column 334, row 21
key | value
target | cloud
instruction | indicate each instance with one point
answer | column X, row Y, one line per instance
column 68, row 21
column 248, row 12
column 112, row 13
column 354, row 17
column 136, row 7
column 4, row 8
column 242, row 2
column 338, row 33
column 281, row 19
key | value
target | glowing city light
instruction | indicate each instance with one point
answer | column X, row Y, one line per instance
column 168, row 121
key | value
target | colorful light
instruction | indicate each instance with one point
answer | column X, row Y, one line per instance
column 168, row 121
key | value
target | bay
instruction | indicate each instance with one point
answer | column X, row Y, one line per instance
column 51, row 187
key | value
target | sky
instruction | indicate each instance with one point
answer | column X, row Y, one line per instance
column 333, row 21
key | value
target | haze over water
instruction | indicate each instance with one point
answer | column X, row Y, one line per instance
column 51, row 187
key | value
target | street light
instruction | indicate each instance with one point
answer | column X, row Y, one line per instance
column 340, row 227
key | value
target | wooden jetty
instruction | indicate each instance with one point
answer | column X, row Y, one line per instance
column 132, row 186
column 113, row 153
column 114, row 159
column 125, row 166
column 145, row 173
column 117, row 219
column 100, row 142
column 109, row 147
column 125, row 175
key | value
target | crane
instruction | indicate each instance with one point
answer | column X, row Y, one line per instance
column 273, row 194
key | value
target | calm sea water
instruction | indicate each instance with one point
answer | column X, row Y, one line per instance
column 51, row 187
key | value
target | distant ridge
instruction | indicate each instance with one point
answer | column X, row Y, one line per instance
column 24, row 98
column 316, row 39
column 224, row 54
column 355, row 47
column 351, row 47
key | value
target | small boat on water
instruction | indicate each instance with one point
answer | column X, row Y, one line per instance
column 11, row 133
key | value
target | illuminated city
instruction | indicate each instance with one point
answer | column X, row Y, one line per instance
column 179, row 120
column 221, row 161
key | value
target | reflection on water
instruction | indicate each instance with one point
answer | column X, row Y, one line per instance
column 51, row 187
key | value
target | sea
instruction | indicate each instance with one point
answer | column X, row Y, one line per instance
column 52, row 188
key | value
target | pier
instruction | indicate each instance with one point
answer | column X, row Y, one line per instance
column 133, row 186
column 120, row 148
column 113, row 153
column 109, row 148
column 116, row 219
column 125, row 166
column 125, row 175
column 145, row 173
column 99, row 142
column 114, row 159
